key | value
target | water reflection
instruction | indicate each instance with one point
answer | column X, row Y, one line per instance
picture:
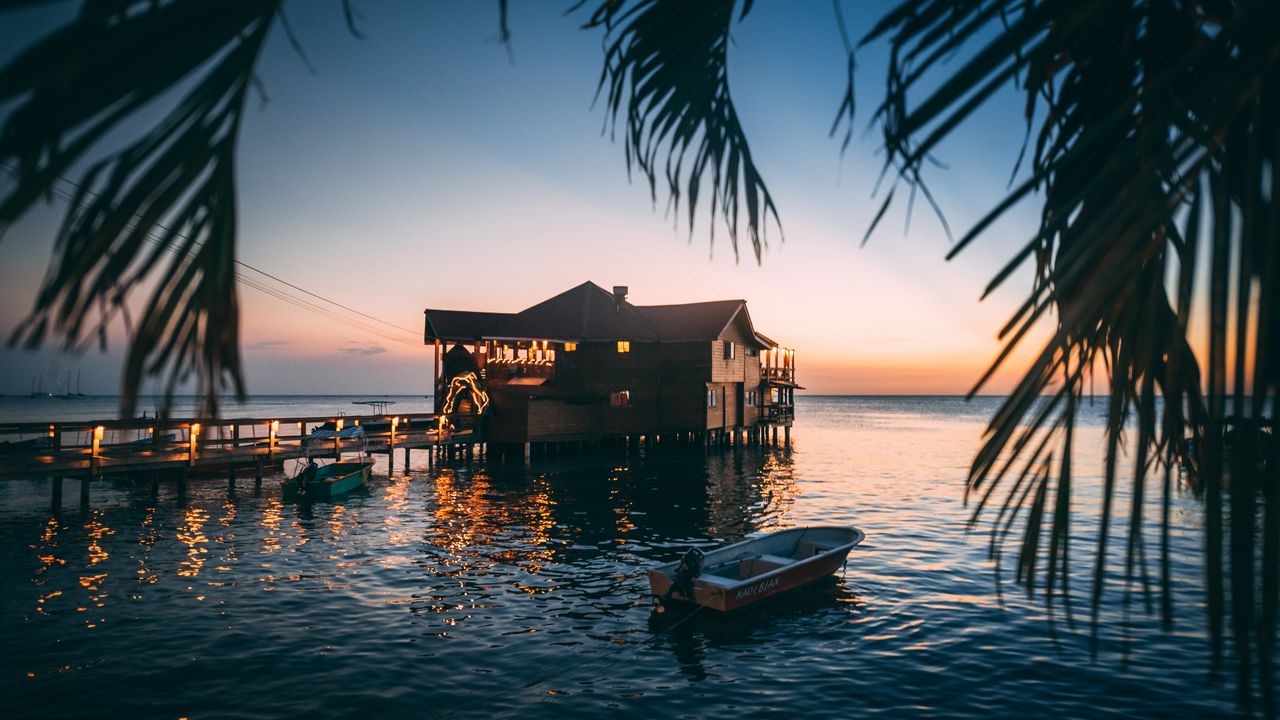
column 509, row 574
column 191, row 534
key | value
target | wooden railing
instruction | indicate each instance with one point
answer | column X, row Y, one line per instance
column 778, row 373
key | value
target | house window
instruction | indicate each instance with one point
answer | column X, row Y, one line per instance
column 774, row 393
column 751, row 397
column 624, row 346
column 570, row 346
column 729, row 350
column 620, row 399
column 752, row 352
column 712, row 395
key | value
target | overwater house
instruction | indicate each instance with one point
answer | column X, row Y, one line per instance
column 586, row 365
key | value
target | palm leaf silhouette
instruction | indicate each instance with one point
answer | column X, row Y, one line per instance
column 1152, row 134
column 166, row 201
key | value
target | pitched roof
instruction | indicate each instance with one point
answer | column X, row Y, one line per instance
column 466, row 325
column 692, row 321
column 586, row 312
column 589, row 312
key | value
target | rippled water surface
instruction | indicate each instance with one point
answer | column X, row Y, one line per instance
column 473, row 590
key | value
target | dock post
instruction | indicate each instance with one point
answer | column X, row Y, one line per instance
column 406, row 459
column 257, row 479
column 84, row 492
column 182, row 487
column 391, row 448
column 526, row 453
column 786, row 431
column 56, row 502
column 231, row 479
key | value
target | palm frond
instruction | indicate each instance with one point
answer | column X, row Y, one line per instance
column 1158, row 120
column 174, row 181
column 665, row 82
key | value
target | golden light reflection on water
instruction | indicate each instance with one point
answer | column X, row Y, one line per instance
column 95, row 531
column 396, row 496
column 191, row 534
column 272, row 522
column 46, row 551
column 147, row 538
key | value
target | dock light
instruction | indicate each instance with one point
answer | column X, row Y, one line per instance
column 357, row 422
column 51, row 431
column 275, row 429
column 191, row 442
column 338, row 424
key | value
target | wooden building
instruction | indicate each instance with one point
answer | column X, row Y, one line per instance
column 587, row 365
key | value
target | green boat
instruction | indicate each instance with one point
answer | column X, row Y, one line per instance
column 327, row 481
column 322, row 482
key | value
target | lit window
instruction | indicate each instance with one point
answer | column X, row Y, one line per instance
column 729, row 350
column 624, row 346
column 711, row 397
column 570, row 346
column 620, row 399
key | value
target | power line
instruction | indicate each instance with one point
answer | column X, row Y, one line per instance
column 262, row 287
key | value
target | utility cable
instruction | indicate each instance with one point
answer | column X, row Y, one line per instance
column 264, row 288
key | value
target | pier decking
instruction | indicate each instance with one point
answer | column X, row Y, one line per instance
column 209, row 445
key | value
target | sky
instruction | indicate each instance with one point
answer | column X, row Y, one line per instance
column 427, row 166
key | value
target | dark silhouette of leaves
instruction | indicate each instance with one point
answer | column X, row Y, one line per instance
column 1154, row 144
column 665, row 81
column 164, row 206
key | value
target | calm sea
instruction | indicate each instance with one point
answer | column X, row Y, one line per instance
column 478, row 591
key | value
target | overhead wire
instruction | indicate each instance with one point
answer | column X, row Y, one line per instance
column 410, row 338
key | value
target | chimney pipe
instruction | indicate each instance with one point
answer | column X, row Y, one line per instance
column 619, row 294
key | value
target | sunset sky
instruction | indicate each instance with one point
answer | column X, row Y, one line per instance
column 423, row 167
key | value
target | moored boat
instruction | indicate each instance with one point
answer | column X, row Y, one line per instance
column 745, row 572
column 322, row 482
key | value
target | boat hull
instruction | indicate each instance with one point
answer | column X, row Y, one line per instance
column 330, row 481
column 744, row 573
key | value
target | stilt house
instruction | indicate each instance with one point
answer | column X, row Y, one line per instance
column 587, row 365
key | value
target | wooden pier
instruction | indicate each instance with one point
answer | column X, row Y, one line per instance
column 211, row 446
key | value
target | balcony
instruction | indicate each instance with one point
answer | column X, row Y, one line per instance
column 778, row 374
column 778, row 414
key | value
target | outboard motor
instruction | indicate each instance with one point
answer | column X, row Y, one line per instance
column 305, row 477
column 689, row 568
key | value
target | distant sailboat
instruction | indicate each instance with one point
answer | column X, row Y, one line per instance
column 78, row 393
column 37, row 391
column 66, row 390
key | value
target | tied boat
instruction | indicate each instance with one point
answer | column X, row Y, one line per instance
column 321, row 482
column 745, row 572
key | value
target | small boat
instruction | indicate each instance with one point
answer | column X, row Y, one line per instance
column 736, row 575
column 321, row 482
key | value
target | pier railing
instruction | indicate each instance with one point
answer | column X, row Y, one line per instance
column 122, row 446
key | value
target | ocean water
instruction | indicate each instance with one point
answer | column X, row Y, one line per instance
column 479, row 590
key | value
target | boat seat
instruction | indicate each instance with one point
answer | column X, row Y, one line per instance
column 717, row 580
column 776, row 560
